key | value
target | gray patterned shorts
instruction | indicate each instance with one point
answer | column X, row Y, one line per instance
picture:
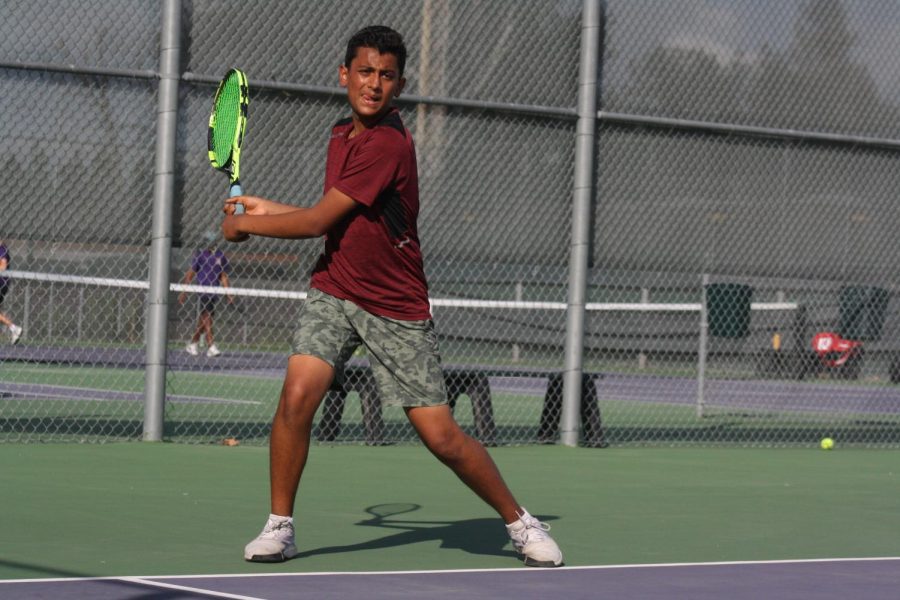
column 403, row 355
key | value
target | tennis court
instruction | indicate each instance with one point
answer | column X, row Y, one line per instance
column 829, row 579
column 170, row 521
column 676, row 203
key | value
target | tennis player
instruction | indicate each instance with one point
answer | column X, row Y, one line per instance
column 368, row 288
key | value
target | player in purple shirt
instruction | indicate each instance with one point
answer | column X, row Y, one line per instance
column 209, row 267
column 15, row 332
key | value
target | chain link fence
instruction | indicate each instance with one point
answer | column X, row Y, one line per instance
column 741, row 279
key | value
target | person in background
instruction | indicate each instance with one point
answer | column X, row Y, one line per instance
column 209, row 267
column 15, row 332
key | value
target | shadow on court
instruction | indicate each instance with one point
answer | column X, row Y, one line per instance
column 42, row 570
column 475, row 536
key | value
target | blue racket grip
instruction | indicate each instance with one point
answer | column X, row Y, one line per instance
column 237, row 191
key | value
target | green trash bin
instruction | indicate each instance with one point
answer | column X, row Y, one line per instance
column 862, row 311
column 728, row 309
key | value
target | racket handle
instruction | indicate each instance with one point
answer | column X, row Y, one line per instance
column 237, row 191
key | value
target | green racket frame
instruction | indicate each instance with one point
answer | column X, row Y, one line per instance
column 227, row 125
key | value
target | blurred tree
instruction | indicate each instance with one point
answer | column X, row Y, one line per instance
column 816, row 84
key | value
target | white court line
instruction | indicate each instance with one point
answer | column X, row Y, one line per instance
column 58, row 392
column 518, row 569
column 184, row 588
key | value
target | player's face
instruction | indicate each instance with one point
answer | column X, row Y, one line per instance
column 372, row 81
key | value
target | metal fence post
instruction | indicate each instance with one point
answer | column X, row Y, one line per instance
column 703, row 348
column 581, row 220
column 161, row 236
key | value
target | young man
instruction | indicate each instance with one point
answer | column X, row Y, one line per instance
column 15, row 332
column 209, row 266
column 369, row 288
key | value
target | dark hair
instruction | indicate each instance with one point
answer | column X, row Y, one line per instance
column 384, row 39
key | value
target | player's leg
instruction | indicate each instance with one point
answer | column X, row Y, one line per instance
column 469, row 460
column 465, row 456
column 321, row 345
column 305, row 385
column 193, row 347
column 204, row 328
column 406, row 364
column 207, row 311
column 15, row 332
column 208, row 316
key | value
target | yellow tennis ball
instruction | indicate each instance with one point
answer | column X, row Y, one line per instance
column 826, row 444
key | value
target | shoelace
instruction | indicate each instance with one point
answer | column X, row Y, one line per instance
column 274, row 530
column 535, row 531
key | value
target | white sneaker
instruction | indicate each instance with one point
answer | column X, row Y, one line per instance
column 15, row 332
column 530, row 537
column 274, row 544
column 192, row 349
column 213, row 351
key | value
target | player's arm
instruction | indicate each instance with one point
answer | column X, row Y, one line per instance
column 4, row 262
column 224, row 282
column 299, row 223
column 188, row 277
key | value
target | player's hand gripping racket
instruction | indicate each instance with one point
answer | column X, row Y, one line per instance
column 227, row 124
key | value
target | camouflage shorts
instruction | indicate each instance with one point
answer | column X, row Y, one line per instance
column 403, row 355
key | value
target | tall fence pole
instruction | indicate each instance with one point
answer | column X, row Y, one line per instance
column 581, row 219
column 161, row 236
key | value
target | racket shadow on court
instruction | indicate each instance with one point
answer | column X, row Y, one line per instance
column 484, row 536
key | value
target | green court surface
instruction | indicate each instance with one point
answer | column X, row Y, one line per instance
column 169, row 509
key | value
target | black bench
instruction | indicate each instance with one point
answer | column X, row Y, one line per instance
column 474, row 383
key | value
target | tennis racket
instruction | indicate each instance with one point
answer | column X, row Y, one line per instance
column 227, row 124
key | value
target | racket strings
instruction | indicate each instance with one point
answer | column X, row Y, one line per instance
column 227, row 122
column 227, row 115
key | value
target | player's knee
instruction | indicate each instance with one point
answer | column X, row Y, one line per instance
column 298, row 404
column 447, row 444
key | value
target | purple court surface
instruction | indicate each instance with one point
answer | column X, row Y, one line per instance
column 828, row 579
column 727, row 394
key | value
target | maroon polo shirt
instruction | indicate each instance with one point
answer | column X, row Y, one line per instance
column 372, row 257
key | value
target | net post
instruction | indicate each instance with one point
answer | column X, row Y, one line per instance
column 161, row 235
column 642, row 355
column 702, row 348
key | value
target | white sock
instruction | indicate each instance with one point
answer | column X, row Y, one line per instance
column 280, row 518
column 519, row 523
